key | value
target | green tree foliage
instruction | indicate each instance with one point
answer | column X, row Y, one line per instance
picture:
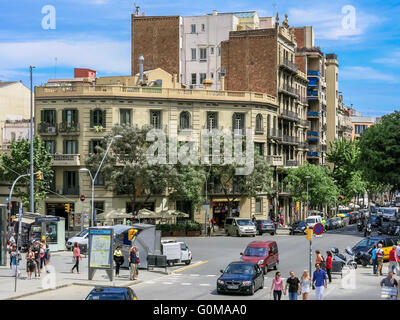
column 345, row 155
column 380, row 151
column 321, row 187
column 18, row 162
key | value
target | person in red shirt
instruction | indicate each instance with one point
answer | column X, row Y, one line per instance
column 393, row 259
column 328, row 265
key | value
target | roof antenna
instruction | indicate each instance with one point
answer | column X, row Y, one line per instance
column 136, row 9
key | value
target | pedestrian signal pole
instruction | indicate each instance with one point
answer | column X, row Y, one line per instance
column 309, row 235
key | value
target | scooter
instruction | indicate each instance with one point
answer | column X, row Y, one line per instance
column 359, row 226
column 348, row 260
column 364, row 258
column 367, row 230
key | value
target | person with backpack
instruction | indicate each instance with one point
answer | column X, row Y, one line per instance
column 319, row 259
column 36, row 252
column 374, row 260
column 133, row 262
column 119, row 260
column 30, row 263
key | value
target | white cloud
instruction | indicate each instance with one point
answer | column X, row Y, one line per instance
column 327, row 22
column 366, row 73
column 392, row 59
column 102, row 55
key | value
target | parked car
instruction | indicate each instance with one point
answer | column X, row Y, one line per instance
column 330, row 225
column 111, row 293
column 81, row 238
column 375, row 221
column 298, row 227
column 241, row 277
column 239, row 227
column 311, row 221
column 265, row 226
column 366, row 244
column 389, row 213
column 264, row 253
column 337, row 222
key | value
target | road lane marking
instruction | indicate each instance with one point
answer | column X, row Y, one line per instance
column 192, row 266
column 205, row 284
column 211, row 275
column 167, row 283
column 186, row 284
column 195, row 275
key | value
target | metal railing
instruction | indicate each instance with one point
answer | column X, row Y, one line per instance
column 275, row 160
column 69, row 127
column 290, row 139
column 305, row 123
column 289, row 64
column 47, row 128
column 290, row 163
column 289, row 90
column 290, row 114
column 275, row 133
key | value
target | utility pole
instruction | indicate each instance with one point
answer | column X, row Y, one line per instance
column 32, row 203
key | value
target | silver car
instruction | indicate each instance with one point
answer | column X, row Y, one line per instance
column 240, row 227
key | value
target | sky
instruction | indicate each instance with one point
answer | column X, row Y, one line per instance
column 95, row 34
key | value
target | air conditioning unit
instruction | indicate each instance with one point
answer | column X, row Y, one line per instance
column 191, row 86
column 51, row 130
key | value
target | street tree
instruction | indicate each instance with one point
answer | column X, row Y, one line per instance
column 322, row 189
column 17, row 162
column 380, row 151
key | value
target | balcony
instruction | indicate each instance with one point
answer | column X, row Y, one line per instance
column 313, row 114
column 313, row 154
column 324, row 148
column 303, row 145
column 313, row 73
column 61, row 160
column 312, row 135
column 289, row 65
column 290, row 115
column 290, row 163
column 259, row 131
column 288, row 90
column 69, row 128
column 289, row 139
column 275, row 134
column 47, row 129
column 73, row 191
column 275, row 161
column 305, row 123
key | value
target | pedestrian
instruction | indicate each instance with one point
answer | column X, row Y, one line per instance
column 12, row 239
column 319, row 282
column 305, row 282
column 47, row 258
column 328, row 265
column 42, row 253
column 393, row 259
column 36, row 251
column 389, row 281
column 30, row 263
column 275, row 223
column 294, row 286
column 319, row 258
column 119, row 260
column 374, row 260
column 379, row 256
column 253, row 219
column 133, row 263
column 282, row 220
column 15, row 258
column 77, row 257
column 277, row 286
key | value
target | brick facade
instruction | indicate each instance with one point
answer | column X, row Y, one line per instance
column 250, row 60
column 299, row 34
column 157, row 38
column 301, row 63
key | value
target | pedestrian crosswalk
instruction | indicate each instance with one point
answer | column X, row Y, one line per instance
column 192, row 279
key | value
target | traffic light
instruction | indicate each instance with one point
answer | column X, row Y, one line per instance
column 131, row 234
column 309, row 233
column 67, row 207
column 39, row 175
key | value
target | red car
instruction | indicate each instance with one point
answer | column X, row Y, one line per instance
column 264, row 253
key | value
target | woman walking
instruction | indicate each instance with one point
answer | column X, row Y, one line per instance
column 328, row 265
column 133, row 261
column 30, row 263
column 119, row 260
column 277, row 286
column 305, row 282
column 319, row 259
column 77, row 257
column 42, row 254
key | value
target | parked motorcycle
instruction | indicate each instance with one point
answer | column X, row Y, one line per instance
column 364, row 258
column 367, row 230
column 348, row 259
column 359, row 226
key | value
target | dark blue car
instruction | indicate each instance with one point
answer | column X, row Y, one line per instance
column 241, row 277
column 111, row 293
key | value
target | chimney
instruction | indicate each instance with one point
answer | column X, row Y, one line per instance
column 141, row 60
column 207, row 83
column 215, row 13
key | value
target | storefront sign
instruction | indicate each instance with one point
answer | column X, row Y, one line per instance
column 47, row 219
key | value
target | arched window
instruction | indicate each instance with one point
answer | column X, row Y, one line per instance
column 269, row 124
column 259, row 123
column 184, row 120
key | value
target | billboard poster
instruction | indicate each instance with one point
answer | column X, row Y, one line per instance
column 100, row 251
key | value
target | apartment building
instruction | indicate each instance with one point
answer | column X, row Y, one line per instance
column 344, row 126
column 332, row 97
column 360, row 124
column 73, row 111
column 312, row 60
column 188, row 46
column 263, row 60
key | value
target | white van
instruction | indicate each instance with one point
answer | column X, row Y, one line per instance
column 311, row 221
column 176, row 252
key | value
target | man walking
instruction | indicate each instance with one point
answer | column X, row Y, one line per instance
column 294, row 289
column 319, row 282
column 133, row 261
column 379, row 257
column 390, row 282
column 36, row 251
column 374, row 260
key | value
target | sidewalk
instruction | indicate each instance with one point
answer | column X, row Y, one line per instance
column 60, row 276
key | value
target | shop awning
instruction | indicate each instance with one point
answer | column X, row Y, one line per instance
column 25, row 220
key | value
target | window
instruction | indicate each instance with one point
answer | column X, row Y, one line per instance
column 70, row 147
column 194, row 78
column 48, row 116
column 212, row 120
column 203, row 27
column 203, row 76
column 155, row 118
column 99, row 207
column 219, row 51
column 212, row 50
column 259, row 148
column 93, row 144
column 212, row 75
column 71, row 182
column 258, row 205
column 259, row 123
column 125, row 117
column 359, row 129
column 268, row 123
column 184, row 120
column 70, row 116
column 50, row 146
column 238, row 121
column 99, row 180
column 203, row 54
column 13, row 135
column 97, row 118
column 194, row 54
column 193, row 28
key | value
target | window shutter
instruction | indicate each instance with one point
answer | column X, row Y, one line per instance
column 55, row 116
column 42, row 115
column 64, row 115
column 55, row 146
column 91, row 146
column 76, row 118
column 65, row 147
column 91, row 119
column 160, row 119
column 233, row 122
column 104, row 118
column 65, row 182
column 76, row 147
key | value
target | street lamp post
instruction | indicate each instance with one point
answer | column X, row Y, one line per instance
column 93, row 179
column 307, row 178
column 310, row 251
column 32, row 198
